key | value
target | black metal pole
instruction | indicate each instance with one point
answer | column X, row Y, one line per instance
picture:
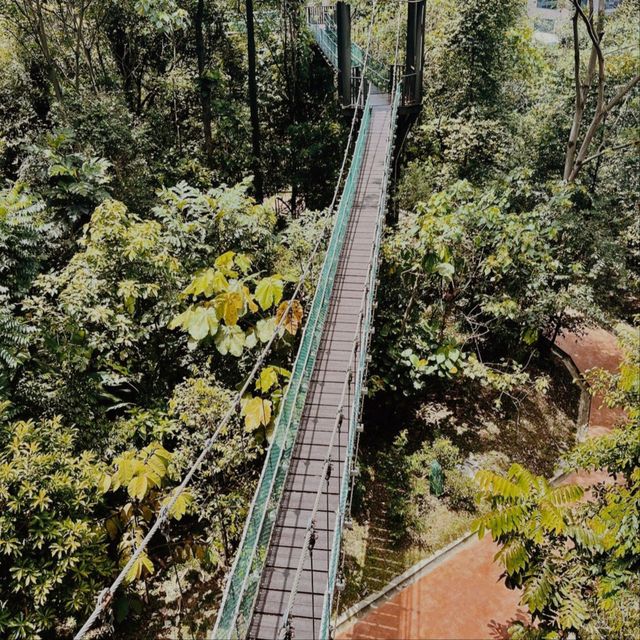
column 258, row 185
column 343, row 23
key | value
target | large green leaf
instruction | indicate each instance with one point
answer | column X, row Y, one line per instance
column 269, row 291
column 230, row 340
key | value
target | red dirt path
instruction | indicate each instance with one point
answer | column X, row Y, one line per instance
column 463, row 598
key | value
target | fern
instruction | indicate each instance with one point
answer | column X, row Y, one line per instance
column 23, row 228
column 15, row 335
column 565, row 494
column 539, row 589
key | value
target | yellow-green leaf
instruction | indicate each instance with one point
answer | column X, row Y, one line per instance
column 225, row 264
column 267, row 379
column 265, row 329
column 137, row 488
column 230, row 340
column 229, row 305
column 142, row 565
column 293, row 317
column 180, row 506
column 269, row 291
column 256, row 412
column 243, row 262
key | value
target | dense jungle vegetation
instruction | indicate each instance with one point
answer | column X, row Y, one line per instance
column 146, row 257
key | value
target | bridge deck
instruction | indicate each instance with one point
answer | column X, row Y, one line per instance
column 318, row 418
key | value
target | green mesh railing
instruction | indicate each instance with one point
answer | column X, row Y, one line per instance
column 326, row 35
column 327, row 40
column 243, row 582
column 360, row 370
column 376, row 72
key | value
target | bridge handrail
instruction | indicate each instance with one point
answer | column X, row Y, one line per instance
column 322, row 25
column 361, row 366
column 243, row 581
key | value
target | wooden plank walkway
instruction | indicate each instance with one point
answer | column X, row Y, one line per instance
column 318, row 418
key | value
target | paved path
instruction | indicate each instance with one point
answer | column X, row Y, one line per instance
column 463, row 598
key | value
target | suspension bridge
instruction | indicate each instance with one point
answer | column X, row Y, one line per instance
column 288, row 566
column 289, row 563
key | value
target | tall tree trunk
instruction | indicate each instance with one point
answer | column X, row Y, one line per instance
column 50, row 65
column 292, row 15
column 203, row 82
column 253, row 105
column 124, row 55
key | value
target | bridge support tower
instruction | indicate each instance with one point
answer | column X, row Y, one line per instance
column 343, row 24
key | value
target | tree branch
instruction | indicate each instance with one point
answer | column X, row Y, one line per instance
column 610, row 150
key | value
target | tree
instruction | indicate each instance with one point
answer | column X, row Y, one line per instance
column 577, row 154
column 253, row 102
column 54, row 552
column 484, row 270
column 473, row 58
column 204, row 80
column 577, row 561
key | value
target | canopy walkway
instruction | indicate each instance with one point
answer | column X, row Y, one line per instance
column 288, row 565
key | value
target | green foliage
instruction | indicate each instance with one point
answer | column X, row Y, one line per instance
column 480, row 265
column 102, row 319
column 421, row 482
column 474, row 48
column 223, row 488
column 527, row 517
column 54, row 553
column 221, row 298
column 23, row 237
column 72, row 181
column 98, row 317
column 143, row 474
column 14, row 338
column 121, row 124
column 582, row 587
column 24, row 228
column 165, row 15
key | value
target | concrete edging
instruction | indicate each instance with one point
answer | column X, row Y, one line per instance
column 425, row 566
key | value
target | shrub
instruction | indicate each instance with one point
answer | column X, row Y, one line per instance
column 442, row 450
column 53, row 549
column 460, row 492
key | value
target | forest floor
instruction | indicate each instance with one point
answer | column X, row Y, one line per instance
column 464, row 597
column 536, row 431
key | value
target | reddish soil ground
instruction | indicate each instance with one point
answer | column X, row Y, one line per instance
column 463, row 598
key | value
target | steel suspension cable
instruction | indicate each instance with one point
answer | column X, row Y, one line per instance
column 106, row 595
